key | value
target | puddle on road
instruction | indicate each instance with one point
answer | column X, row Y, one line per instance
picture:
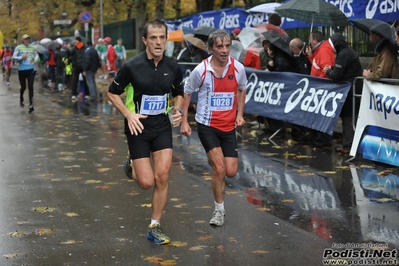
column 313, row 189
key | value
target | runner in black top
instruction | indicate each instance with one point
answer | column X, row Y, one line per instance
column 148, row 80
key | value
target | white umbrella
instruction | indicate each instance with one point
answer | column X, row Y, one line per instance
column 265, row 8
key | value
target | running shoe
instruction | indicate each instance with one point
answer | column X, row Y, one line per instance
column 8, row 83
column 218, row 218
column 21, row 103
column 127, row 168
column 31, row 109
column 155, row 233
column 73, row 98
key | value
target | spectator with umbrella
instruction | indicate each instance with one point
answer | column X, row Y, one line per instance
column 385, row 63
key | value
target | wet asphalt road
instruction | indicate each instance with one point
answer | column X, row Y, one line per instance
column 65, row 200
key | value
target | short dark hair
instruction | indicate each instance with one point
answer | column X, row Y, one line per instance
column 78, row 38
column 275, row 19
column 155, row 23
column 318, row 36
column 89, row 43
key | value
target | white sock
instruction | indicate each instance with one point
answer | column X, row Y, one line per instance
column 219, row 206
column 154, row 222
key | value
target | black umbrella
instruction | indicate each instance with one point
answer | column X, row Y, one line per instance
column 53, row 45
column 203, row 32
column 378, row 26
column 282, row 42
column 313, row 11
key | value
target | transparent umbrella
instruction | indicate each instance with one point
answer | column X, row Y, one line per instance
column 251, row 37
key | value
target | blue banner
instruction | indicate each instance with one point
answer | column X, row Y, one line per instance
column 299, row 99
column 231, row 18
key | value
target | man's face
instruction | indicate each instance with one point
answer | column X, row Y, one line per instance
column 221, row 49
column 26, row 41
column 294, row 50
column 374, row 38
column 155, row 41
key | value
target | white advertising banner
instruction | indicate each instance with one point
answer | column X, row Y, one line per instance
column 377, row 129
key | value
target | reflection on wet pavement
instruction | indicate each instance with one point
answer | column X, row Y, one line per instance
column 311, row 188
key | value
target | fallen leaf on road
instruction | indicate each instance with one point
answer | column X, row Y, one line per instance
column 43, row 209
column 383, row 200
column 71, row 214
column 10, row 256
column 228, row 192
column 385, row 173
column 330, row 172
column 260, row 251
column 366, row 166
column 91, row 181
column 146, row 205
column 133, row 193
column 196, row 248
column 304, row 157
column 205, row 207
column 15, row 234
column 71, row 242
column 102, row 170
column 287, row 200
column 103, row 187
column 45, row 232
column 200, row 222
column 205, row 237
column 264, row 209
column 179, row 244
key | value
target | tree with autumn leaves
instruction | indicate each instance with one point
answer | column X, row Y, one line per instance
column 18, row 17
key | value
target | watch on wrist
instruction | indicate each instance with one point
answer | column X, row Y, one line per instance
column 180, row 111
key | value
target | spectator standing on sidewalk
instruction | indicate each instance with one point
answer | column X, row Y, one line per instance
column 320, row 54
column 147, row 126
column 60, row 53
column 102, row 53
column 221, row 84
column 76, row 56
column 91, row 64
column 347, row 68
column 27, row 57
column 121, row 53
column 111, row 58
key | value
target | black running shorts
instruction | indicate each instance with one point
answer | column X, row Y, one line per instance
column 140, row 146
column 212, row 138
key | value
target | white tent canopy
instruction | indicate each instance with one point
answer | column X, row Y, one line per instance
column 265, row 8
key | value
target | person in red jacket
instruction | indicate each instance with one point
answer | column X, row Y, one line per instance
column 51, row 65
column 7, row 60
column 111, row 57
column 320, row 55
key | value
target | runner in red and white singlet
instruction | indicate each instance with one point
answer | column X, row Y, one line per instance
column 221, row 84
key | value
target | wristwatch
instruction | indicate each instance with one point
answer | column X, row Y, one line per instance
column 180, row 111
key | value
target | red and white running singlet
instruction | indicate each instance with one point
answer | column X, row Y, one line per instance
column 217, row 97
